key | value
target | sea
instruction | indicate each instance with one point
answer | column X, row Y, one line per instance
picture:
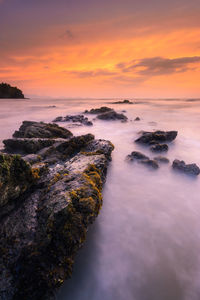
column 145, row 243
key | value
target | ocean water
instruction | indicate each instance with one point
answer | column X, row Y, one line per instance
column 145, row 244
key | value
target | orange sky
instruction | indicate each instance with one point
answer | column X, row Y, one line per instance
column 133, row 52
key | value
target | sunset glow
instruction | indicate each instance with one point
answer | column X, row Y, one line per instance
column 115, row 49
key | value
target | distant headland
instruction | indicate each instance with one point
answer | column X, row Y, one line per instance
column 7, row 91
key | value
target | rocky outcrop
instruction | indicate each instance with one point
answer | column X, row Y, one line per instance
column 7, row 91
column 108, row 114
column 96, row 111
column 157, row 139
column 158, row 136
column 112, row 116
column 162, row 159
column 123, row 102
column 79, row 119
column 53, row 195
column 142, row 159
column 191, row 169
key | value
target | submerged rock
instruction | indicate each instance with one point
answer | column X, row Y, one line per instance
column 100, row 110
column 142, row 159
column 112, row 116
column 191, row 169
column 157, row 137
column 159, row 148
column 161, row 159
column 108, row 114
column 75, row 119
column 123, row 102
column 46, row 209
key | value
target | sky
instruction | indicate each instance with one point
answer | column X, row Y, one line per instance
column 107, row 48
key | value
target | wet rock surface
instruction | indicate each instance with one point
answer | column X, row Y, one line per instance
column 101, row 110
column 75, row 119
column 142, row 159
column 159, row 148
column 156, row 137
column 48, row 199
column 31, row 129
column 123, row 102
column 108, row 114
column 112, row 116
column 190, row 169
column 162, row 159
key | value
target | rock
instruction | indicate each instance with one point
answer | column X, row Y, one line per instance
column 159, row 148
column 191, row 169
column 123, row 102
column 100, row 110
column 136, row 155
column 142, row 159
column 112, row 116
column 161, row 159
column 46, row 210
column 31, row 129
column 16, row 176
column 75, row 119
column 27, row 145
column 156, row 136
column 7, row 91
column 150, row 163
column 137, row 119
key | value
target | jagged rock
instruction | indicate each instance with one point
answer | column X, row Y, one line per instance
column 97, row 111
column 75, row 119
column 156, row 137
column 48, row 220
column 27, row 145
column 112, row 116
column 16, row 176
column 31, row 129
column 161, row 159
column 159, row 148
column 136, row 155
column 191, row 169
column 7, row 91
column 150, row 163
column 123, row 102
column 142, row 159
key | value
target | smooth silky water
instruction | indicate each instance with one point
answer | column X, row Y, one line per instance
column 145, row 244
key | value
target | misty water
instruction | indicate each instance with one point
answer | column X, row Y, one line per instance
column 145, row 244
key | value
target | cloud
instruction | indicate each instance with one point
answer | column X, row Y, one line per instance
column 156, row 66
column 91, row 73
column 68, row 34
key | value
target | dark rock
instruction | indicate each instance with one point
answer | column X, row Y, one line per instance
column 142, row 159
column 46, row 211
column 27, row 145
column 157, row 136
column 159, row 148
column 191, row 169
column 161, row 159
column 7, row 91
column 112, row 116
column 16, row 176
column 100, row 110
column 75, row 119
column 123, row 102
column 137, row 119
column 31, row 129
column 150, row 163
column 136, row 155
